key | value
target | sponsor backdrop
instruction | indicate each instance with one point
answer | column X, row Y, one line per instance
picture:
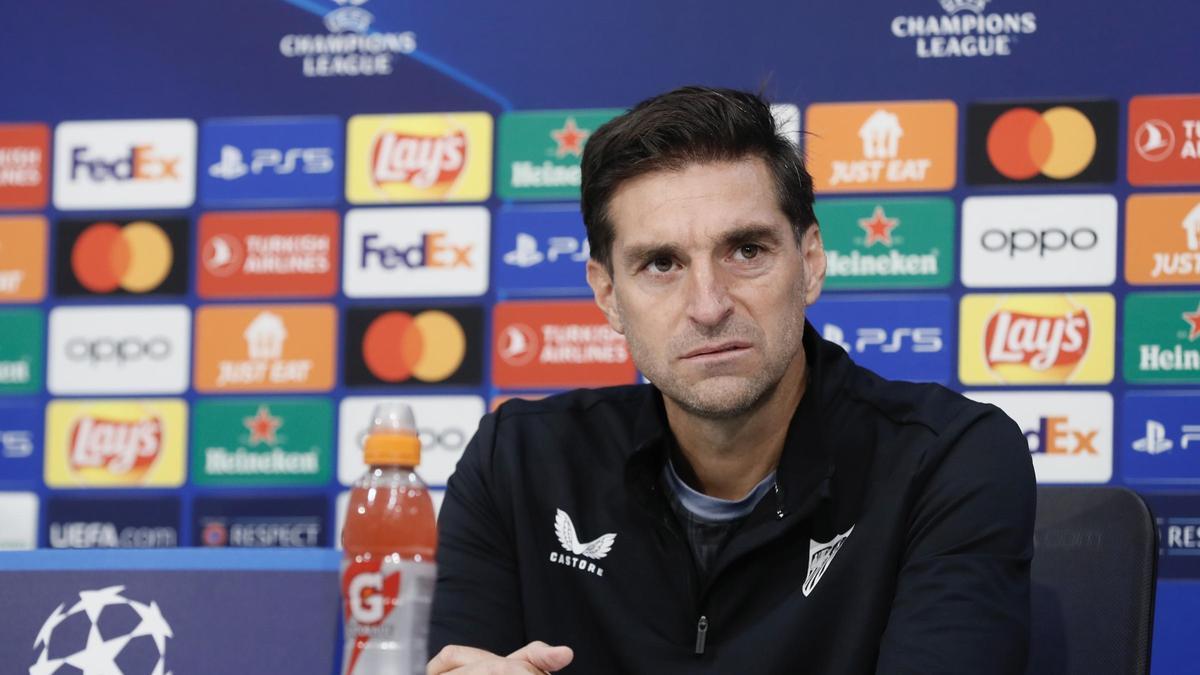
column 226, row 231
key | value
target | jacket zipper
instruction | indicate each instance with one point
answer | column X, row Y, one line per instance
column 701, row 634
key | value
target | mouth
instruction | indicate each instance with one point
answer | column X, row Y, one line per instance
column 719, row 350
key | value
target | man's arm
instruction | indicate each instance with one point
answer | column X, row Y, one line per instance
column 962, row 598
column 477, row 602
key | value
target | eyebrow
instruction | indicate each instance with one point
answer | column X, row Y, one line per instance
column 636, row 254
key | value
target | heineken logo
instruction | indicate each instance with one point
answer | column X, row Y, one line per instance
column 539, row 152
column 901, row 243
column 278, row 442
column 1162, row 337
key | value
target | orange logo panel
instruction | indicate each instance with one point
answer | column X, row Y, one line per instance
column 22, row 259
column 24, row 165
column 268, row 253
column 1162, row 239
column 557, row 344
column 265, row 348
column 888, row 146
column 1164, row 140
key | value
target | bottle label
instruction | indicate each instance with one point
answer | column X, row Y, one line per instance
column 386, row 604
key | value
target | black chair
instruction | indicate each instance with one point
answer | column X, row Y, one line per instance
column 1094, row 569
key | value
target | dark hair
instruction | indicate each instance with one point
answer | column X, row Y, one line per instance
column 686, row 126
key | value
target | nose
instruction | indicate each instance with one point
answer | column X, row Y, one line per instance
column 708, row 300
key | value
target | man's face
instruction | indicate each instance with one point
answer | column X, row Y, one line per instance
column 708, row 284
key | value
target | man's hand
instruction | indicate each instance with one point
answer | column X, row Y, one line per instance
column 536, row 658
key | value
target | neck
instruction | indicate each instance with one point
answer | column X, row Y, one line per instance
column 728, row 456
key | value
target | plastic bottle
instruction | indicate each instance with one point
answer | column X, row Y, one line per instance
column 389, row 538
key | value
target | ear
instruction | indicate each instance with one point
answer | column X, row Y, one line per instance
column 813, row 250
column 601, row 281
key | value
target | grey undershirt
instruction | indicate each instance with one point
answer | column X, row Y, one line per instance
column 707, row 521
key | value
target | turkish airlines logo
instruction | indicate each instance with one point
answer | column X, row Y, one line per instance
column 1164, row 140
column 268, row 253
column 1155, row 139
column 518, row 344
column 24, row 165
column 421, row 161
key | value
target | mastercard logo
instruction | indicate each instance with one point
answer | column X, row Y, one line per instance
column 1058, row 143
column 136, row 257
column 1044, row 142
column 428, row 346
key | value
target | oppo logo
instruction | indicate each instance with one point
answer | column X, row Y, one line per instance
column 119, row 350
column 451, row 438
column 1040, row 242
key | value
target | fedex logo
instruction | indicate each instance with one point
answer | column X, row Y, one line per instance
column 1070, row 434
column 433, row 250
column 1057, row 436
column 142, row 162
column 124, row 164
column 416, row 252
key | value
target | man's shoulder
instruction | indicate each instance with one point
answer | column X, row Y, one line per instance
column 924, row 404
column 574, row 404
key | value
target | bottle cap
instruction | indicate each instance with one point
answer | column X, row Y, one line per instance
column 392, row 438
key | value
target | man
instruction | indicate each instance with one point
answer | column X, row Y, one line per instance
column 765, row 506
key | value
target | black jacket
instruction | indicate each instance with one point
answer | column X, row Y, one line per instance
column 933, row 577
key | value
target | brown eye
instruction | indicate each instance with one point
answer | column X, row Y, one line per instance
column 749, row 251
column 661, row 264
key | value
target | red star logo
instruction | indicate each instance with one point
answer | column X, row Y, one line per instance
column 1193, row 318
column 878, row 227
column 262, row 426
column 570, row 139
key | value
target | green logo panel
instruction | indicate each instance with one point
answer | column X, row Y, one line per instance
column 22, row 340
column 271, row 442
column 539, row 152
column 887, row 243
column 1162, row 337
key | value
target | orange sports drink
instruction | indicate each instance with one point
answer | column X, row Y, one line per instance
column 389, row 538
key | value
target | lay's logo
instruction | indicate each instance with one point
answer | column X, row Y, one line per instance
column 394, row 159
column 115, row 443
column 420, row 161
column 110, row 446
column 1037, row 339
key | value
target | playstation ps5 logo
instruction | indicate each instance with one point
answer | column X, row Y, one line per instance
column 1156, row 442
column 528, row 254
column 232, row 164
column 956, row 6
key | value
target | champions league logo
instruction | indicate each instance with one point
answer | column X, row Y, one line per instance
column 964, row 30
column 351, row 48
column 104, row 633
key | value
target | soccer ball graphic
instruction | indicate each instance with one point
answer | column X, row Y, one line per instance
column 104, row 633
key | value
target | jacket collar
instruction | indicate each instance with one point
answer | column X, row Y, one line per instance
column 807, row 465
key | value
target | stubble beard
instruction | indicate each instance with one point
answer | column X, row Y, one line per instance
column 721, row 396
